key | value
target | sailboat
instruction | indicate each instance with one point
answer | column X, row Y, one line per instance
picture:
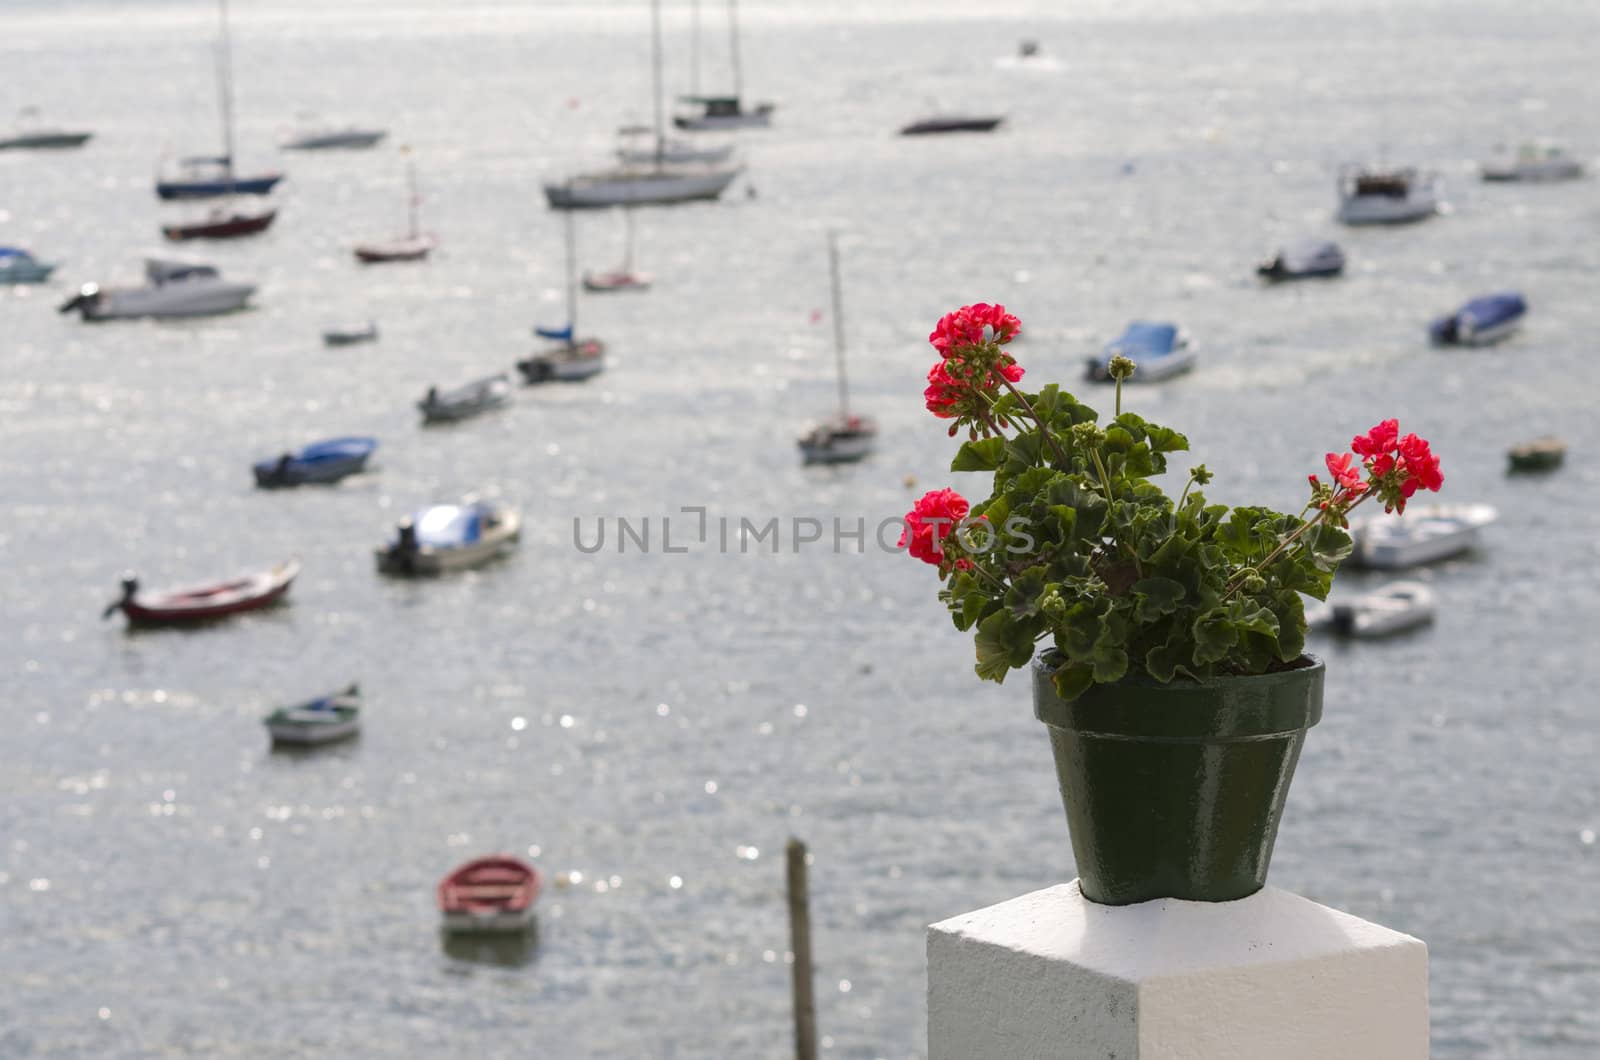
column 414, row 245
column 206, row 177
column 845, row 437
column 653, row 182
column 621, row 278
column 724, row 112
column 574, row 359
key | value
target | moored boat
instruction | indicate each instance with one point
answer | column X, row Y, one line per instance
column 318, row 721
column 450, row 537
column 462, row 402
column 702, row 113
column 320, row 462
column 637, row 186
column 33, row 135
column 1535, row 161
column 623, row 277
column 1541, row 454
column 19, row 266
column 1158, row 351
column 571, row 362
column 1371, row 195
column 349, row 335
column 316, row 136
column 414, row 245
column 1393, row 608
column 953, row 123
column 202, row 603
column 222, row 223
column 1483, row 321
column 1426, row 534
column 175, row 288
column 1307, row 259
column 490, row 894
column 844, row 437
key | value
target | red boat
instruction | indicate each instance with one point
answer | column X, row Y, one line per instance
column 406, row 248
column 203, row 602
column 222, row 224
column 492, row 894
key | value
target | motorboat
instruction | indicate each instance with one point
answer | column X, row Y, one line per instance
column 953, row 123
column 174, row 288
column 636, row 150
column 19, row 266
column 202, row 603
column 491, row 895
column 1536, row 161
column 414, row 245
column 638, row 186
column 349, row 335
column 1370, row 195
column 1158, row 351
column 702, row 113
column 222, row 222
column 33, row 135
column 320, row 462
column 463, row 402
column 623, row 277
column 1390, row 609
column 318, row 721
column 1307, row 259
column 844, row 437
column 313, row 135
column 1483, row 321
column 1541, row 454
column 1425, row 534
column 450, row 537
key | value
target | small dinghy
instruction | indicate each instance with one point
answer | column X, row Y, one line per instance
column 202, row 603
column 414, row 245
column 324, row 720
column 19, row 266
column 1376, row 196
column 1392, row 609
column 319, row 462
column 224, row 222
column 1160, row 351
column 953, row 123
column 1308, row 259
column 464, row 402
column 1426, row 534
column 1541, row 454
column 493, row 894
column 450, row 537
column 350, row 335
column 1481, row 322
column 1540, row 160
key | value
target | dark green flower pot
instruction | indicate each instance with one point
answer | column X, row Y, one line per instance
column 1176, row 790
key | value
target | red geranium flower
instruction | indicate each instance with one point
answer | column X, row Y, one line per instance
column 1422, row 466
column 1343, row 473
column 965, row 327
column 1381, row 439
column 930, row 521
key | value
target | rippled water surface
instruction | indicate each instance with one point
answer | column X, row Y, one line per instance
column 650, row 728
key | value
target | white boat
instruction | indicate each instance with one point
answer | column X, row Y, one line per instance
column 1539, row 160
column 176, row 288
column 32, row 135
column 1382, row 195
column 1158, row 351
column 1307, row 259
column 574, row 359
column 320, row 721
column 19, row 266
column 415, row 244
column 450, row 537
column 1391, row 609
column 314, row 135
column 844, row 437
column 640, row 148
column 466, row 401
column 1425, row 534
column 703, row 113
column 654, row 182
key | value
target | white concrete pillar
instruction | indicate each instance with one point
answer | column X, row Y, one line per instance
column 1053, row 976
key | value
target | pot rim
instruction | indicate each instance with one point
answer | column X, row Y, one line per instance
column 1211, row 710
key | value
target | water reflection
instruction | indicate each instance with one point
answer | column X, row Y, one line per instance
column 511, row 950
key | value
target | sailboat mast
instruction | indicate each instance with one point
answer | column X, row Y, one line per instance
column 225, row 87
column 572, row 276
column 694, row 47
column 733, row 35
column 411, row 198
column 655, row 69
column 838, row 322
column 627, row 253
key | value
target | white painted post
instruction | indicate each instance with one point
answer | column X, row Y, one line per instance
column 1053, row 976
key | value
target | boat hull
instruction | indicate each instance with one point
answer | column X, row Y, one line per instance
column 350, row 338
column 25, row 272
column 178, row 299
column 760, row 118
column 312, row 734
column 319, row 473
column 229, row 228
column 215, row 188
column 1533, row 172
column 1382, row 210
column 353, row 139
column 206, row 603
column 573, row 364
column 643, row 188
column 492, row 895
column 937, row 126
column 45, row 141
column 395, row 250
column 429, row 560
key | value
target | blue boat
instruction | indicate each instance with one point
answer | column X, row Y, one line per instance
column 1158, row 350
column 18, row 266
column 1482, row 321
column 209, row 178
column 325, row 461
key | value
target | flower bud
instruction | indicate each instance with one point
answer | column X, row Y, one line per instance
column 1120, row 367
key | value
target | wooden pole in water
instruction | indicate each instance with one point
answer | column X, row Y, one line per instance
column 805, row 1009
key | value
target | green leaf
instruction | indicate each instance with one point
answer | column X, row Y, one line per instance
column 1110, row 664
column 1073, row 680
column 985, row 454
column 1214, row 636
column 1003, row 644
column 1022, row 598
column 1156, row 597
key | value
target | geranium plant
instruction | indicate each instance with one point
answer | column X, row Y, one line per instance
column 1079, row 549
